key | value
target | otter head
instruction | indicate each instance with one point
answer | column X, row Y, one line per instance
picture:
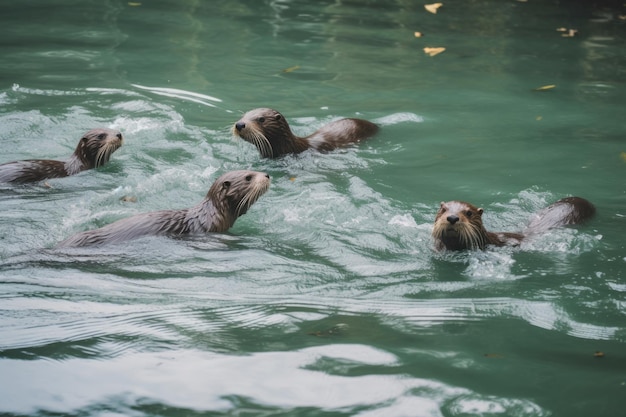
column 96, row 146
column 458, row 226
column 235, row 191
column 266, row 129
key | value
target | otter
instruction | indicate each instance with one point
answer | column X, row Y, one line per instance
column 230, row 197
column 93, row 150
column 459, row 225
column 269, row 131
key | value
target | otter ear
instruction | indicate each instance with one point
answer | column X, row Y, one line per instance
column 278, row 117
column 480, row 211
column 226, row 184
column 84, row 139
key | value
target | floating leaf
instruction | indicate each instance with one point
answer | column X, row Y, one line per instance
column 433, row 7
column 623, row 156
column 568, row 33
column 129, row 199
column 336, row 330
column 545, row 87
column 134, row 4
column 418, row 34
column 292, row 179
column 539, row 118
column 598, row 354
column 434, row 51
column 291, row 69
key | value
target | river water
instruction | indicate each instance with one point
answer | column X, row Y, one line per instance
column 326, row 298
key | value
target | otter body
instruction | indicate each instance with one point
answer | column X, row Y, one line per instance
column 269, row 131
column 459, row 225
column 93, row 150
column 230, row 197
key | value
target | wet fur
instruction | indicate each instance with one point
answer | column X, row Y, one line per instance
column 269, row 131
column 93, row 150
column 458, row 224
column 230, row 197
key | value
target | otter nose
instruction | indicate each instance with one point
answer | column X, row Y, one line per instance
column 452, row 219
column 119, row 136
column 240, row 125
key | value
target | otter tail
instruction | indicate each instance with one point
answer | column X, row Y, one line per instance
column 566, row 211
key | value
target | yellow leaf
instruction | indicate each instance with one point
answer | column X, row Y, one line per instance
column 134, row 4
column 433, row 7
column 538, row 118
column 561, row 29
column 433, row 51
column 623, row 156
column 291, row 69
column 545, row 87
column 292, row 179
column 418, row 34
column 570, row 33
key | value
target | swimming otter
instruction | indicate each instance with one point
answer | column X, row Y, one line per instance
column 269, row 131
column 93, row 150
column 230, row 196
column 459, row 225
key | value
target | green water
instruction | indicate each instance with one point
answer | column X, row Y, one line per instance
column 327, row 298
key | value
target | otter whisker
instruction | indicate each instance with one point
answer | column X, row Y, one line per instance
column 101, row 155
column 263, row 144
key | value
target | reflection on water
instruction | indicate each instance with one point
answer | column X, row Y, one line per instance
column 327, row 297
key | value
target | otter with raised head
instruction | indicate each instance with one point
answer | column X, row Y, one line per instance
column 459, row 225
column 269, row 131
column 230, row 197
column 93, row 150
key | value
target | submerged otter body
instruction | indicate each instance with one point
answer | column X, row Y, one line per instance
column 93, row 150
column 459, row 225
column 269, row 131
column 230, row 197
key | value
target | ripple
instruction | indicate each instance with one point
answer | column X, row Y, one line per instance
column 181, row 94
column 202, row 381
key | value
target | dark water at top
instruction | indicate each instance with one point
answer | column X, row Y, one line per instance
column 327, row 298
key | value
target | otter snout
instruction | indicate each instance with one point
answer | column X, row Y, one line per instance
column 452, row 219
column 240, row 126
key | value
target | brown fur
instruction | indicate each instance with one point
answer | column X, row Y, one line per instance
column 459, row 225
column 93, row 150
column 230, row 197
column 269, row 131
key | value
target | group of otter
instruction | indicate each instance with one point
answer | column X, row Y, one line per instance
column 458, row 225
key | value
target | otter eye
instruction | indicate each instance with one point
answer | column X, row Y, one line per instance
column 101, row 136
column 226, row 184
column 248, row 177
column 468, row 213
column 261, row 119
